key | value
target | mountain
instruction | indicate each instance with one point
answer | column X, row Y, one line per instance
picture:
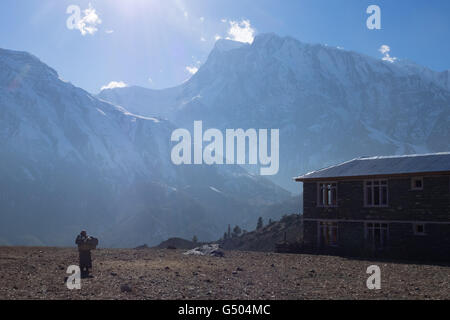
column 288, row 229
column 440, row 78
column 331, row 105
column 178, row 243
column 142, row 100
column 71, row 161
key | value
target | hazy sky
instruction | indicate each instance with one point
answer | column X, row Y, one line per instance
column 160, row 43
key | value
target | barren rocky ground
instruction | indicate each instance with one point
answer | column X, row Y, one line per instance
column 39, row 273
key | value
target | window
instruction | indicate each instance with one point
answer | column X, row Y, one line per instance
column 417, row 184
column 377, row 235
column 376, row 193
column 419, row 229
column 327, row 194
column 328, row 233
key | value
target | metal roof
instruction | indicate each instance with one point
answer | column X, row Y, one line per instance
column 384, row 165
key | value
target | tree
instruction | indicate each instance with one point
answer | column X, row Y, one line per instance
column 229, row 231
column 236, row 231
column 194, row 239
column 260, row 223
column 225, row 236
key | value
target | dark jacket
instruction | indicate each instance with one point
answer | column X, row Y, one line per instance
column 81, row 239
column 85, row 253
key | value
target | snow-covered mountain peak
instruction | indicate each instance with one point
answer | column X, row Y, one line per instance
column 329, row 104
column 16, row 65
column 227, row 45
column 269, row 38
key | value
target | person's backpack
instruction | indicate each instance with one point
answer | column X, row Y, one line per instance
column 89, row 244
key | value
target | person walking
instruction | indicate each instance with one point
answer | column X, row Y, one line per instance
column 85, row 245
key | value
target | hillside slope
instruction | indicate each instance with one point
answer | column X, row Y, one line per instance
column 289, row 228
column 71, row 161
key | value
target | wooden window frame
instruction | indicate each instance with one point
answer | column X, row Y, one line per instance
column 416, row 233
column 373, row 205
column 319, row 191
column 372, row 228
column 413, row 187
column 329, row 225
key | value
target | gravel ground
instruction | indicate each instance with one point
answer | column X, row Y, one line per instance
column 39, row 273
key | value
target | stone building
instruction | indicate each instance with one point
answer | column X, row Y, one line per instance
column 396, row 206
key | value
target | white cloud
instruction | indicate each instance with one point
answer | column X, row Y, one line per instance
column 241, row 31
column 389, row 58
column 202, row 19
column 192, row 70
column 88, row 23
column 224, row 20
column 186, row 14
column 217, row 37
column 385, row 49
column 109, row 31
column 114, row 84
column 150, row 80
column 202, row 39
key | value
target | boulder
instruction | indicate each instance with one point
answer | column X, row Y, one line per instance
column 206, row 250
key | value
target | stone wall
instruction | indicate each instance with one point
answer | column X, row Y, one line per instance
column 432, row 204
column 402, row 243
